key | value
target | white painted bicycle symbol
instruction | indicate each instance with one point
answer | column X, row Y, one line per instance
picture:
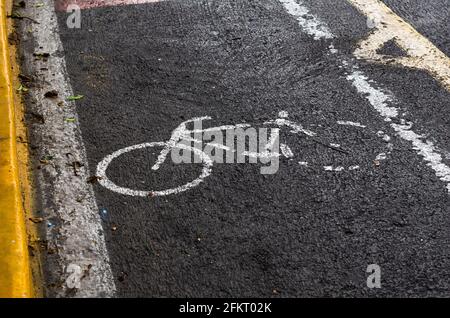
column 183, row 133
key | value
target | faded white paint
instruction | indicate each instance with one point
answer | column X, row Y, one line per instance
column 384, row 136
column 334, row 169
column 377, row 98
column 286, row 151
column 381, row 156
column 306, row 20
column 427, row 150
column 296, row 128
column 180, row 133
column 350, row 123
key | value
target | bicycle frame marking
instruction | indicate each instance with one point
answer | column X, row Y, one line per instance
column 182, row 133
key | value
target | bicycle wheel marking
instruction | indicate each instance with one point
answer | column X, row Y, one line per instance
column 182, row 133
column 107, row 183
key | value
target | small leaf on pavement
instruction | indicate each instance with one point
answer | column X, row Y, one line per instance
column 75, row 97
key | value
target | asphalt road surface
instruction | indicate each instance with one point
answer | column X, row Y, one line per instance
column 372, row 187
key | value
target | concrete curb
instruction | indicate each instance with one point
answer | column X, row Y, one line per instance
column 15, row 273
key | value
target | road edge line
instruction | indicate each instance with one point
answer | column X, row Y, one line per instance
column 78, row 264
column 15, row 268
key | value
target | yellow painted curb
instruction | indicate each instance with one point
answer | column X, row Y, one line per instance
column 15, row 273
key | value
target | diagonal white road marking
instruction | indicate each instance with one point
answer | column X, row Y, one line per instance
column 381, row 101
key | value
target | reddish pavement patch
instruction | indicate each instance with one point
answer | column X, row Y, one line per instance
column 61, row 5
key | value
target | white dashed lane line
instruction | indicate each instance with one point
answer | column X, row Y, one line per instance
column 380, row 100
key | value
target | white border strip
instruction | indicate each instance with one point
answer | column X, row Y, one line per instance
column 78, row 237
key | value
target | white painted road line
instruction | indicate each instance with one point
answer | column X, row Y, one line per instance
column 350, row 123
column 307, row 21
column 381, row 101
column 423, row 54
column 81, row 250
